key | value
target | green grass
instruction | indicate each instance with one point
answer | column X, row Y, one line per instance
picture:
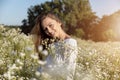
column 98, row 60
column 95, row 60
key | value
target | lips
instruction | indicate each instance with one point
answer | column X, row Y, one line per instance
column 52, row 34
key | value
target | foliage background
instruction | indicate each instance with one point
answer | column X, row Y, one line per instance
column 74, row 17
column 78, row 18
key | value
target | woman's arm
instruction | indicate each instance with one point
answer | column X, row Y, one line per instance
column 71, row 52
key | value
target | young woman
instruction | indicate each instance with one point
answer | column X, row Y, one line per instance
column 61, row 60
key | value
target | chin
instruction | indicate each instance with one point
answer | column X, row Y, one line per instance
column 54, row 37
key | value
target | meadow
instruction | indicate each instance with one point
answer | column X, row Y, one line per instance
column 19, row 61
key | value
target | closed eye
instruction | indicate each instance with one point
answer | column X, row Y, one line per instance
column 51, row 25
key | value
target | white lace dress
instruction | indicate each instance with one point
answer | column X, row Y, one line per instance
column 61, row 61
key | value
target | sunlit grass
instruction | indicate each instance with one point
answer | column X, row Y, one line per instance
column 98, row 61
column 19, row 61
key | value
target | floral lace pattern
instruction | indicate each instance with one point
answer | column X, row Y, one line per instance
column 62, row 58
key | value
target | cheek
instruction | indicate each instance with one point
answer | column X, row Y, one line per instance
column 57, row 30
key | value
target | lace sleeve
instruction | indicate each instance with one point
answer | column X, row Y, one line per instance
column 62, row 60
column 70, row 57
column 70, row 52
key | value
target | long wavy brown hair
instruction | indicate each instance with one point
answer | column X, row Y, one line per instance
column 38, row 33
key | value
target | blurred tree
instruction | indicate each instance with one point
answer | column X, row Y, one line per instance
column 109, row 35
column 79, row 33
column 78, row 15
column 108, row 28
column 25, row 27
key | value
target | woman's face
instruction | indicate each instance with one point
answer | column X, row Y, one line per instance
column 51, row 27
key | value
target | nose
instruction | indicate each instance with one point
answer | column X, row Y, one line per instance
column 49, row 31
